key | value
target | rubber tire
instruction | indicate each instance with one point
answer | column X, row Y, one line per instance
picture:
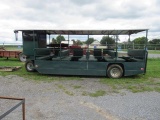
column 22, row 57
column 29, row 65
column 115, row 71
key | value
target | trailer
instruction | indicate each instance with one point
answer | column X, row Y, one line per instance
column 12, row 54
column 61, row 59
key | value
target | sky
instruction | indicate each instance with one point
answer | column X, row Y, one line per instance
column 78, row 14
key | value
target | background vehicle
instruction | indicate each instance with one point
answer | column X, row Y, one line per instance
column 12, row 54
column 61, row 59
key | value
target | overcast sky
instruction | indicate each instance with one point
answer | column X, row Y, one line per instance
column 78, row 14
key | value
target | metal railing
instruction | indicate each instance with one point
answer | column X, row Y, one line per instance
column 14, row 107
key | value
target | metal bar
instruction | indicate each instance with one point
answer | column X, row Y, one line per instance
column 116, row 44
column 87, row 52
column 60, row 47
column 68, row 39
column 11, row 98
column 129, row 38
column 49, row 38
column 146, row 52
column 23, row 110
column 146, row 42
column 34, row 46
column 13, row 108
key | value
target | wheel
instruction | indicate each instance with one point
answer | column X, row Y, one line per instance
column 115, row 71
column 22, row 57
column 29, row 66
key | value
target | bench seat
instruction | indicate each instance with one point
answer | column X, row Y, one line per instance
column 110, row 59
column 91, row 58
column 46, row 57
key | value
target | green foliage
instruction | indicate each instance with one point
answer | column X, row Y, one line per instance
column 60, row 38
column 54, row 41
column 77, row 42
column 155, row 41
column 139, row 40
column 90, row 41
column 108, row 40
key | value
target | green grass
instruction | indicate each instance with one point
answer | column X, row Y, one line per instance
column 84, row 93
column 30, row 75
column 98, row 93
column 76, row 87
column 14, row 47
column 138, row 83
column 154, row 51
column 65, row 90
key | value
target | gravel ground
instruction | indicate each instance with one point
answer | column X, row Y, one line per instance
column 65, row 100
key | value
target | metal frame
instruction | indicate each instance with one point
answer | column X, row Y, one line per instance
column 14, row 107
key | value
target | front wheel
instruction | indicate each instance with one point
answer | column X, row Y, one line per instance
column 115, row 71
column 29, row 66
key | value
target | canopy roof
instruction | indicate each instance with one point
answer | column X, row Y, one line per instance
column 89, row 32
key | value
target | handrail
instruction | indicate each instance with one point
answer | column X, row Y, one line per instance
column 14, row 107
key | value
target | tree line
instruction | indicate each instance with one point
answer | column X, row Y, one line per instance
column 105, row 40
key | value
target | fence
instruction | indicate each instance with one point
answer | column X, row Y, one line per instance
column 132, row 46
column 13, row 108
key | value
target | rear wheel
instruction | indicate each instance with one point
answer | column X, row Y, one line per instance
column 22, row 57
column 115, row 71
column 29, row 66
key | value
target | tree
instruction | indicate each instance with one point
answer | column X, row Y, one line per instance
column 77, row 42
column 89, row 41
column 54, row 41
column 155, row 41
column 107, row 39
column 139, row 40
column 60, row 38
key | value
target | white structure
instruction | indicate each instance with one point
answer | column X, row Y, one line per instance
column 95, row 43
column 66, row 42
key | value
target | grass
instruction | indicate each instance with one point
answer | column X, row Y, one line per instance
column 84, row 93
column 134, row 84
column 154, row 51
column 65, row 91
column 138, row 83
column 12, row 47
column 76, row 87
column 30, row 75
column 98, row 93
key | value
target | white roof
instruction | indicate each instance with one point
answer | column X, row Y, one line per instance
column 89, row 32
column 96, row 42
